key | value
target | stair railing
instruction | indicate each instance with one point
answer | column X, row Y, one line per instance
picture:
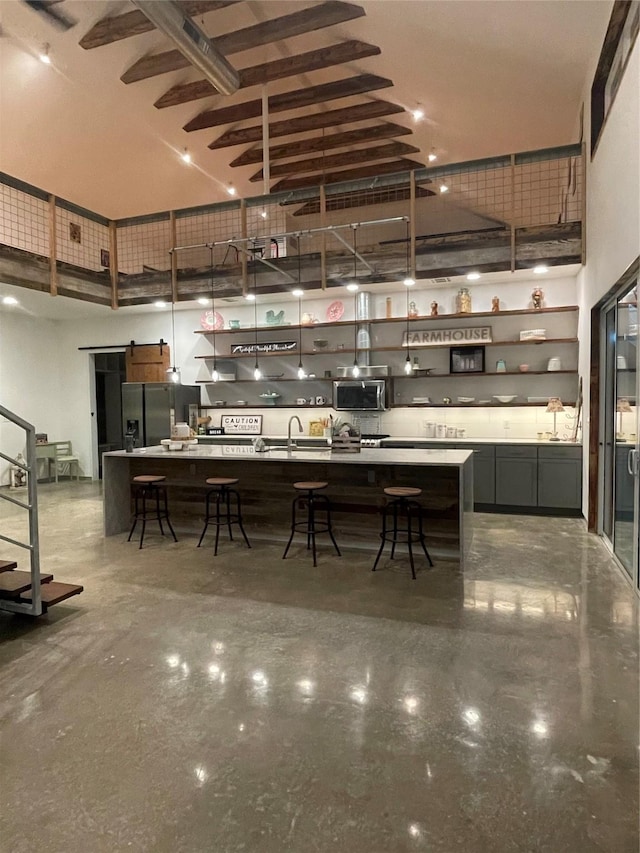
column 33, row 545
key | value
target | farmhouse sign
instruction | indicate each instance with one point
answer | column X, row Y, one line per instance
column 443, row 337
column 273, row 346
column 241, row 424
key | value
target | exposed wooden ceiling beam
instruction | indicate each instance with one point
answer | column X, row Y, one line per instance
column 386, row 130
column 360, row 198
column 266, row 32
column 303, row 124
column 289, row 101
column 290, row 66
column 345, row 158
column 119, row 27
column 347, row 175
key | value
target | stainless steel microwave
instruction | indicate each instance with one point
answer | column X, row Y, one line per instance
column 360, row 395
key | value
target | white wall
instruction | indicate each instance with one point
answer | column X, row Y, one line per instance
column 33, row 380
column 613, row 210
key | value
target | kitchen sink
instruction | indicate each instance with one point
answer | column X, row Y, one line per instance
column 299, row 450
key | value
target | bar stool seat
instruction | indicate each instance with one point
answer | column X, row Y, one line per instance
column 150, row 487
column 308, row 491
column 402, row 505
column 223, row 516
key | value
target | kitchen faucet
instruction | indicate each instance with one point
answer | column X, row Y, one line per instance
column 290, row 443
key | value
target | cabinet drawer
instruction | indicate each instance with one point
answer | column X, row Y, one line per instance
column 559, row 453
column 480, row 451
column 516, row 451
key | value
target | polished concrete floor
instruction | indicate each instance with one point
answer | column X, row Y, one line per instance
column 244, row 703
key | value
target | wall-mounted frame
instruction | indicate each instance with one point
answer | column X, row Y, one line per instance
column 466, row 360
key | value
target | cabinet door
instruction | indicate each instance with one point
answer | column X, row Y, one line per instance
column 516, row 481
column 484, row 472
column 560, row 483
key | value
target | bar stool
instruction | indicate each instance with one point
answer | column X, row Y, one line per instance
column 223, row 493
column 402, row 505
column 310, row 525
column 150, row 487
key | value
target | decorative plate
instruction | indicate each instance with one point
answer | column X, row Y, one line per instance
column 207, row 321
column 335, row 311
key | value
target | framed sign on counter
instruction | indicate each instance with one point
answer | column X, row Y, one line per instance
column 241, row 424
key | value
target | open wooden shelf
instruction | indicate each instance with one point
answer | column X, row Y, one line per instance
column 394, row 376
column 413, row 350
column 520, row 312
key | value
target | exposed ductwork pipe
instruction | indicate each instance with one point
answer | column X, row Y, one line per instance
column 192, row 43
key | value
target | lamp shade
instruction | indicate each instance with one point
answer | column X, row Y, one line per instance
column 623, row 405
column 555, row 405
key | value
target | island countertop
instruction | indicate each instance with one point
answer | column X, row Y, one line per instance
column 366, row 456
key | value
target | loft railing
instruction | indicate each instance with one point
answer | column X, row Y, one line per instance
column 33, row 545
column 515, row 208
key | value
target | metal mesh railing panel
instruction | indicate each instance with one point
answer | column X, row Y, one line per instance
column 144, row 247
column 24, row 221
column 80, row 241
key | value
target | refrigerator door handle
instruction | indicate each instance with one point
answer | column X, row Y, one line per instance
column 632, row 463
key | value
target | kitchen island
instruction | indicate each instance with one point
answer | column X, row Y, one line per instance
column 356, row 483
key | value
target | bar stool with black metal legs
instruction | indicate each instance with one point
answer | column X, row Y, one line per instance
column 223, row 516
column 307, row 492
column 402, row 507
column 150, row 488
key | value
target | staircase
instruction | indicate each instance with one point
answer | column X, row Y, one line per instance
column 29, row 592
column 16, row 586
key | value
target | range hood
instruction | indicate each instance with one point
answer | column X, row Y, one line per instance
column 366, row 371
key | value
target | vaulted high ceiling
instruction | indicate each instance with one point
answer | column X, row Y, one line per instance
column 105, row 123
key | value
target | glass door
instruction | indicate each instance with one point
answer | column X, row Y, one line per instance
column 621, row 484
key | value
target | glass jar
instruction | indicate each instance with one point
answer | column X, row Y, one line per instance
column 463, row 301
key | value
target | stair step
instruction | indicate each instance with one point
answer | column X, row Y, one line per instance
column 53, row 592
column 7, row 565
column 12, row 584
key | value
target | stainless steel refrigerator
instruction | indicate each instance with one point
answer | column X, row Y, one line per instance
column 149, row 410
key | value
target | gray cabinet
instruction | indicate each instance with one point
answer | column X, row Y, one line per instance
column 484, row 472
column 560, row 477
column 516, row 476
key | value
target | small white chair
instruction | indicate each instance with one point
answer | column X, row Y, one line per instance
column 65, row 460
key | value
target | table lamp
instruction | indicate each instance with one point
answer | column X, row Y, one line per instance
column 622, row 405
column 555, row 406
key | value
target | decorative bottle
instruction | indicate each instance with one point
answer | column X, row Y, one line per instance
column 463, row 301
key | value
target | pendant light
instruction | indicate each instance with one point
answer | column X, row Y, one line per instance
column 355, row 370
column 408, row 282
column 299, row 293
column 257, row 373
column 215, row 375
column 173, row 373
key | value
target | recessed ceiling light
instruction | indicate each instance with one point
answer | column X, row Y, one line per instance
column 409, row 282
column 9, row 300
column 203, row 300
column 473, row 276
column 297, row 292
column 540, row 269
column 186, row 157
column 250, row 296
column 444, row 188
column 231, row 189
column 160, row 304
column 353, row 287
column 432, row 155
column 43, row 56
column 418, row 114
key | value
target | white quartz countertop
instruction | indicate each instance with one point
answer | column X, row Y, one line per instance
column 367, row 456
column 516, row 441
column 410, row 439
